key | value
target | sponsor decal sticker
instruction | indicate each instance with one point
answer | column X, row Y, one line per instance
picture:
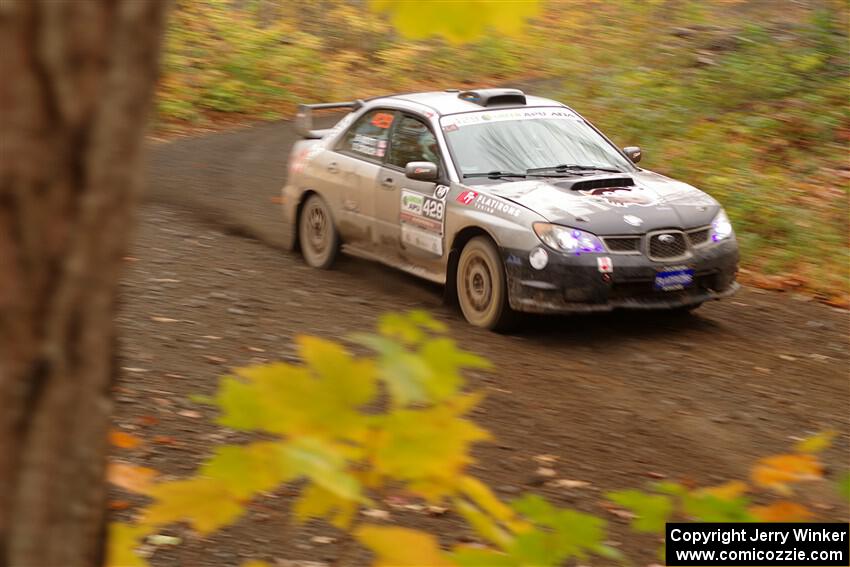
column 414, row 236
column 633, row 220
column 467, row 197
column 411, row 202
column 604, row 265
column 433, row 208
column 441, row 191
column 366, row 145
column 493, row 205
column 382, row 120
column 622, row 196
column 421, row 219
column 454, row 122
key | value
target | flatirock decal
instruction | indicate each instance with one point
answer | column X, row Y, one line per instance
column 492, row 205
column 467, row 197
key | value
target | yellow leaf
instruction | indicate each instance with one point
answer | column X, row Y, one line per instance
column 782, row 512
column 123, row 440
column 205, row 503
column 122, row 543
column 483, row 524
column 778, row 471
column 402, row 547
column 427, row 447
column 130, row 477
column 255, row 563
column 316, row 502
column 459, row 20
column 816, row 443
column 481, row 494
column 727, row 491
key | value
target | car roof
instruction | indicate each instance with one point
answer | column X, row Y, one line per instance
column 448, row 102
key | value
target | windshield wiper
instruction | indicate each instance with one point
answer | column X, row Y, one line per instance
column 565, row 167
column 495, row 174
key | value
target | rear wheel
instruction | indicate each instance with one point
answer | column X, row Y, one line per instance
column 482, row 290
column 317, row 234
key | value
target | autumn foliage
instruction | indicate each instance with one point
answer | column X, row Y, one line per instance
column 348, row 428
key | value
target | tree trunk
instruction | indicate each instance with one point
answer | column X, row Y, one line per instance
column 76, row 80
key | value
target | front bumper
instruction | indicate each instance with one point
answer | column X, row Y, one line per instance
column 575, row 284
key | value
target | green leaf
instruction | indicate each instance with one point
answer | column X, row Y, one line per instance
column 466, row 556
column 431, row 374
column 569, row 533
column 706, row 507
column 844, row 486
column 324, row 464
column 651, row 510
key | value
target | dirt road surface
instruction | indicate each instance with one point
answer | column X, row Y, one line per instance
column 617, row 399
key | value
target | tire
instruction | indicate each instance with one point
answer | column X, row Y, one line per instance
column 317, row 235
column 482, row 290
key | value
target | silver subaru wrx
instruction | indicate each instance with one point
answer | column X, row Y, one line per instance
column 516, row 203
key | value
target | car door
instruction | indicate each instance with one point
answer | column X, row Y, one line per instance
column 348, row 175
column 409, row 217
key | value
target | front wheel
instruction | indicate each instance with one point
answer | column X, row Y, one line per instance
column 317, row 234
column 482, row 289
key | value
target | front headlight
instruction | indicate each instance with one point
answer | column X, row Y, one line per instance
column 566, row 239
column 721, row 228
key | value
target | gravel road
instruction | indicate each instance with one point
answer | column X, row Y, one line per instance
column 615, row 399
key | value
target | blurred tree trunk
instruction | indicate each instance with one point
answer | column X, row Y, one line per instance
column 77, row 80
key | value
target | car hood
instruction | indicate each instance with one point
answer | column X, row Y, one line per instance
column 628, row 203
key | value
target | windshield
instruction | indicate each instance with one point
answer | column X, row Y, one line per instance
column 517, row 140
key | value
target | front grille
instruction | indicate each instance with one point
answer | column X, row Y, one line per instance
column 666, row 245
column 698, row 237
column 623, row 244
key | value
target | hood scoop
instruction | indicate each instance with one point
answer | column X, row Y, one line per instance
column 596, row 183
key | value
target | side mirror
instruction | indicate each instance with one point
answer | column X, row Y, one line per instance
column 633, row 153
column 421, row 171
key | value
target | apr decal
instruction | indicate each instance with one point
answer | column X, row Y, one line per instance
column 622, row 196
column 411, row 202
column 467, row 197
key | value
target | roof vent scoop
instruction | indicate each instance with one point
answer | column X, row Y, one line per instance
column 494, row 97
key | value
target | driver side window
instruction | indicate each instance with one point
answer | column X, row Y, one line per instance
column 369, row 135
column 412, row 140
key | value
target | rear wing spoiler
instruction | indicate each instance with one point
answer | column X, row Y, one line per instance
column 304, row 117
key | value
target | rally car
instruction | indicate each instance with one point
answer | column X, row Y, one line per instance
column 516, row 203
